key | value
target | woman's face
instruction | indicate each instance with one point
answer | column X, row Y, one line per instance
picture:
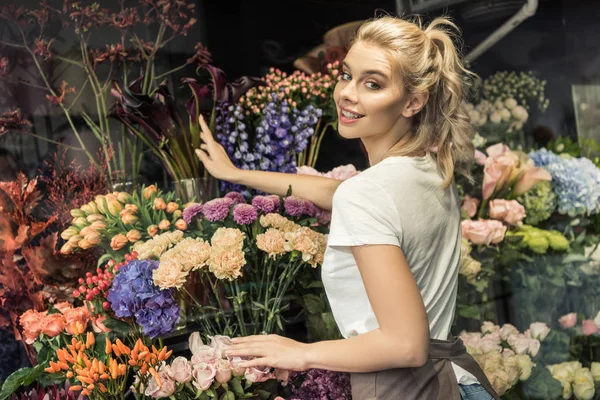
column 369, row 96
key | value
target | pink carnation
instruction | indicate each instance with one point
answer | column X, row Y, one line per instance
column 217, row 209
column 244, row 214
column 236, row 197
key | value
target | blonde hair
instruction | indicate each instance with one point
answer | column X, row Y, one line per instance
column 429, row 62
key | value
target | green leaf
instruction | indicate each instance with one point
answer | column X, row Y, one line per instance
column 117, row 326
column 313, row 304
column 236, row 386
column 263, row 394
column 21, row 377
column 468, row 312
column 541, row 385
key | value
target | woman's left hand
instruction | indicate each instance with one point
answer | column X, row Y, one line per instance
column 270, row 351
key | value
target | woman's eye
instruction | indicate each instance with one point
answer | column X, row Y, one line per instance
column 373, row 85
column 346, row 76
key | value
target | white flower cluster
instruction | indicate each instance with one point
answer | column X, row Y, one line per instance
column 575, row 379
column 524, row 87
column 155, row 247
column 495, row 119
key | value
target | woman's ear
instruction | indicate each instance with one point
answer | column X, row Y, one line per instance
column 415, row 104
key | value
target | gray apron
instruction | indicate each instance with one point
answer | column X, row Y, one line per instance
column 433, row 381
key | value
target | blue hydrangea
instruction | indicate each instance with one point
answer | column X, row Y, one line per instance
column 134, row 295
column 576, row 182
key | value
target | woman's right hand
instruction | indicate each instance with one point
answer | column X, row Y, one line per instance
column 213, row 155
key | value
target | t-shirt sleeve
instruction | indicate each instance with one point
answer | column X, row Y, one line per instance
column 363, row 213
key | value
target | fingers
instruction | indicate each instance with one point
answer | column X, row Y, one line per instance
column 257, row 362
column 252, row 338
column 202, row 155
column 205, row 132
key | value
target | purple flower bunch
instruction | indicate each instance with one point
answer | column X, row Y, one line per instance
column 320, row 384
column 280, row 132
column 134, row 295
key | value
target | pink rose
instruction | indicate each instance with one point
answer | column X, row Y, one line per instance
column 568, row 321
column 508, row 330
column 282, row 375
column 205, row 354
column 509, row 211
column 342, row 172
column 483, row 231
column 166, row 389
column 181, row 370
column 534, row 347
column 470, row 205
column 204, row 375
column 257, row 374
column 519, row 343
column 224, row 372
column 235, row 366
column 589, row 327
column 498, row 231
column 529, row 178
column 220, row 344
column 480, row 158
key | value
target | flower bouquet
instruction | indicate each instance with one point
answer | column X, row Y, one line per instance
column 244, row 256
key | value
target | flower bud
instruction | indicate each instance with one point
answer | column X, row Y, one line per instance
column 80, row 222
column 134, row 235
column 118, row 241
column 85, row 244
column 159, row 204
column 149, row 191
column 177, row 214
column 94, row 238
column 131, row 208
column 181, row 225
column 95, row 217
column 172, row 206
column 152, row 230
column 66, row 249
column 98, row 226
column 76, row 213
column 114, row 207
column 86, row 231
column 124, row 197
column 164, row 224
column 73, row 240
column 69, row 232
column 101, row 204
column 129, row 219
column 87, row 209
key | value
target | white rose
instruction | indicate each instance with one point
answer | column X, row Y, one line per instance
column 508, row 330
column 482, row 119
column 595, row 371
column 505, row 114
column 525, row 366
column 489, row 327
column 567, row 390
column 510, row 103
column 495, row 117
column 499, row 104
column 583, row 384
column 539, row 331
column 520, row 113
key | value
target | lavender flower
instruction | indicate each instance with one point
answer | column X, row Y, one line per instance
column 192, row 211
column 265, row 204
column 297, row 207
column 321, row 384
column 134, row 295
column 217, row 209
column 237, row 197
column 244, row 214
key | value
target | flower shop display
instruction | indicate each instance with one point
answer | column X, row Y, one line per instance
column 35, row 45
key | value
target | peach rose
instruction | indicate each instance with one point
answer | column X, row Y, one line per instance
column 53, row 324
column 164, row 224
column 568, row 321
column 74, row 315
column 32, row 323
column 509, row 211
column 470, row 205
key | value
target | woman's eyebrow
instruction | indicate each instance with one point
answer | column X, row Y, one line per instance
column 369, row 72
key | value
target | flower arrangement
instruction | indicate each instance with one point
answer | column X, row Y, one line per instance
column 35, row 44
column 504, row 353
column 116, row 221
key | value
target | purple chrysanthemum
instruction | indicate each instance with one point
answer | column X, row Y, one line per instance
column 194, row 210
column 237, row 197
column 265, row 204
column 297, row 207
column 217, row 209
column 244, row 214
column 133, row 294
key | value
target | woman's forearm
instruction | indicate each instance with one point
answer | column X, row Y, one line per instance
column 317, row 189
column 372, row 351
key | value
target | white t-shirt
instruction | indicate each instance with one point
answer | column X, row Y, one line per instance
column 399, row 201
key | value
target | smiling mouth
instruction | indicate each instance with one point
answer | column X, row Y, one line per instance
column 350, row 115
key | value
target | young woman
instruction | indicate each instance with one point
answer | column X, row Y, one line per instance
column 391, row 266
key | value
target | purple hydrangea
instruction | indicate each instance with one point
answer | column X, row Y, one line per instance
column 297, row 207
column 237, row 197
column 265, row 204
column 321, row 384
column 194, row 210
column 217, row 209
column 244, row 214
column 133, row 294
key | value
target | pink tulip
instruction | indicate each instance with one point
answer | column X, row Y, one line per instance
column 568, row 321
column 589, row 327
column 529, row 179
column 470, row 205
